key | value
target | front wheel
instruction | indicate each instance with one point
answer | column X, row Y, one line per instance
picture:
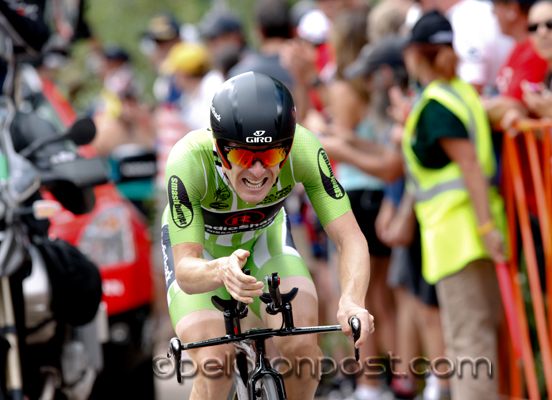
column 269, row 391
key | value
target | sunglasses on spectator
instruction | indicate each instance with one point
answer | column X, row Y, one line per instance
column 246, row 157
column 533, row 27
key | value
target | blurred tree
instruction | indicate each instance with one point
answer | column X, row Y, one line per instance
column 124, row 22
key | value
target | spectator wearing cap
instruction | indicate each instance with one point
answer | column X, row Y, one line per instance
column 449, row 160
column 523, row 63
column 221, row 30
column 478, row 42
column 164, row 31
column 191, row 66
column 310, row 60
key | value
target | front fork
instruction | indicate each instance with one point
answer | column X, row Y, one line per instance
column 14, row 380
column 263, row 368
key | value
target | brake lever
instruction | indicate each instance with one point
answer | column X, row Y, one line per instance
column 354, row 322
column 175, row 349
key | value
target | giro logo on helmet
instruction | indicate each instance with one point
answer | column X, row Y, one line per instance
column 217, row 116
column 258, row 139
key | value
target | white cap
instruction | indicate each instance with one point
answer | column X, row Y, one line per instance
column 314, row 26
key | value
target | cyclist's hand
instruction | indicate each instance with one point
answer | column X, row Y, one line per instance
column 242, row 287
column 345, row 312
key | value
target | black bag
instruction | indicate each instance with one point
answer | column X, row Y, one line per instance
column 76, row 281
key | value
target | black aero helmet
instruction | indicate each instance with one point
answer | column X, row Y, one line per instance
column 252, row 109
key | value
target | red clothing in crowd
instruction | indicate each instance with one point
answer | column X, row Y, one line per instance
column 523, row 63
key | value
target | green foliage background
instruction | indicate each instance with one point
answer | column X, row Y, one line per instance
column 123, row 22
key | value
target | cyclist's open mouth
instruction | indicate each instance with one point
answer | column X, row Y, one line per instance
column 254, row 184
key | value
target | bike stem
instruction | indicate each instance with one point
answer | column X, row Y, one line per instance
column 231, row 323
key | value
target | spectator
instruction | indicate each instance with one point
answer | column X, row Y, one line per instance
column 163, row 32
column 119, row 116
column 387, row 18
column 274, row 27
column 522, row 72
column 190, row 65
column 537, row 100
column 537, row 97
column 298, row 10
column 480, row 46
column 449, row 158
column 523, row 63
column 220, row 31
column 310, row 60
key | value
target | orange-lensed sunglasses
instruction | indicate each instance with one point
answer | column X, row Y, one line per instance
column 246, row 157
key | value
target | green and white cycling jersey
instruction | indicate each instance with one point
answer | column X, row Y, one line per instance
column 203, row 208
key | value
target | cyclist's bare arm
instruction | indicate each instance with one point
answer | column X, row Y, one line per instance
column 196, row 275
column 354, row 273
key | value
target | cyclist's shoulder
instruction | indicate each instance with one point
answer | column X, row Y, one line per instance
column 192, row 145
column 304, row 142
column 197, row 139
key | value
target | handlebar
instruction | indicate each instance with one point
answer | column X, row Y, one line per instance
column 276, row 303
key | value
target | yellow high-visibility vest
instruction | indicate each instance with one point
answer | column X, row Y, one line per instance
column 448, row 224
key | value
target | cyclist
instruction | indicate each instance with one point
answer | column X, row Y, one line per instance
column 226, row 188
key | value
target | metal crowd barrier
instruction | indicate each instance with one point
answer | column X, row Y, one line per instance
column 516, row 352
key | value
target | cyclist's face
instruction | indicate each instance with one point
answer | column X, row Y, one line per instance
column 252, row 184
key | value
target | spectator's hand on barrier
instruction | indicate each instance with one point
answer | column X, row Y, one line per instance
column 495, row 245
column 346, row 311
column 537, row 98
column 510, row 117
column 242, row 287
